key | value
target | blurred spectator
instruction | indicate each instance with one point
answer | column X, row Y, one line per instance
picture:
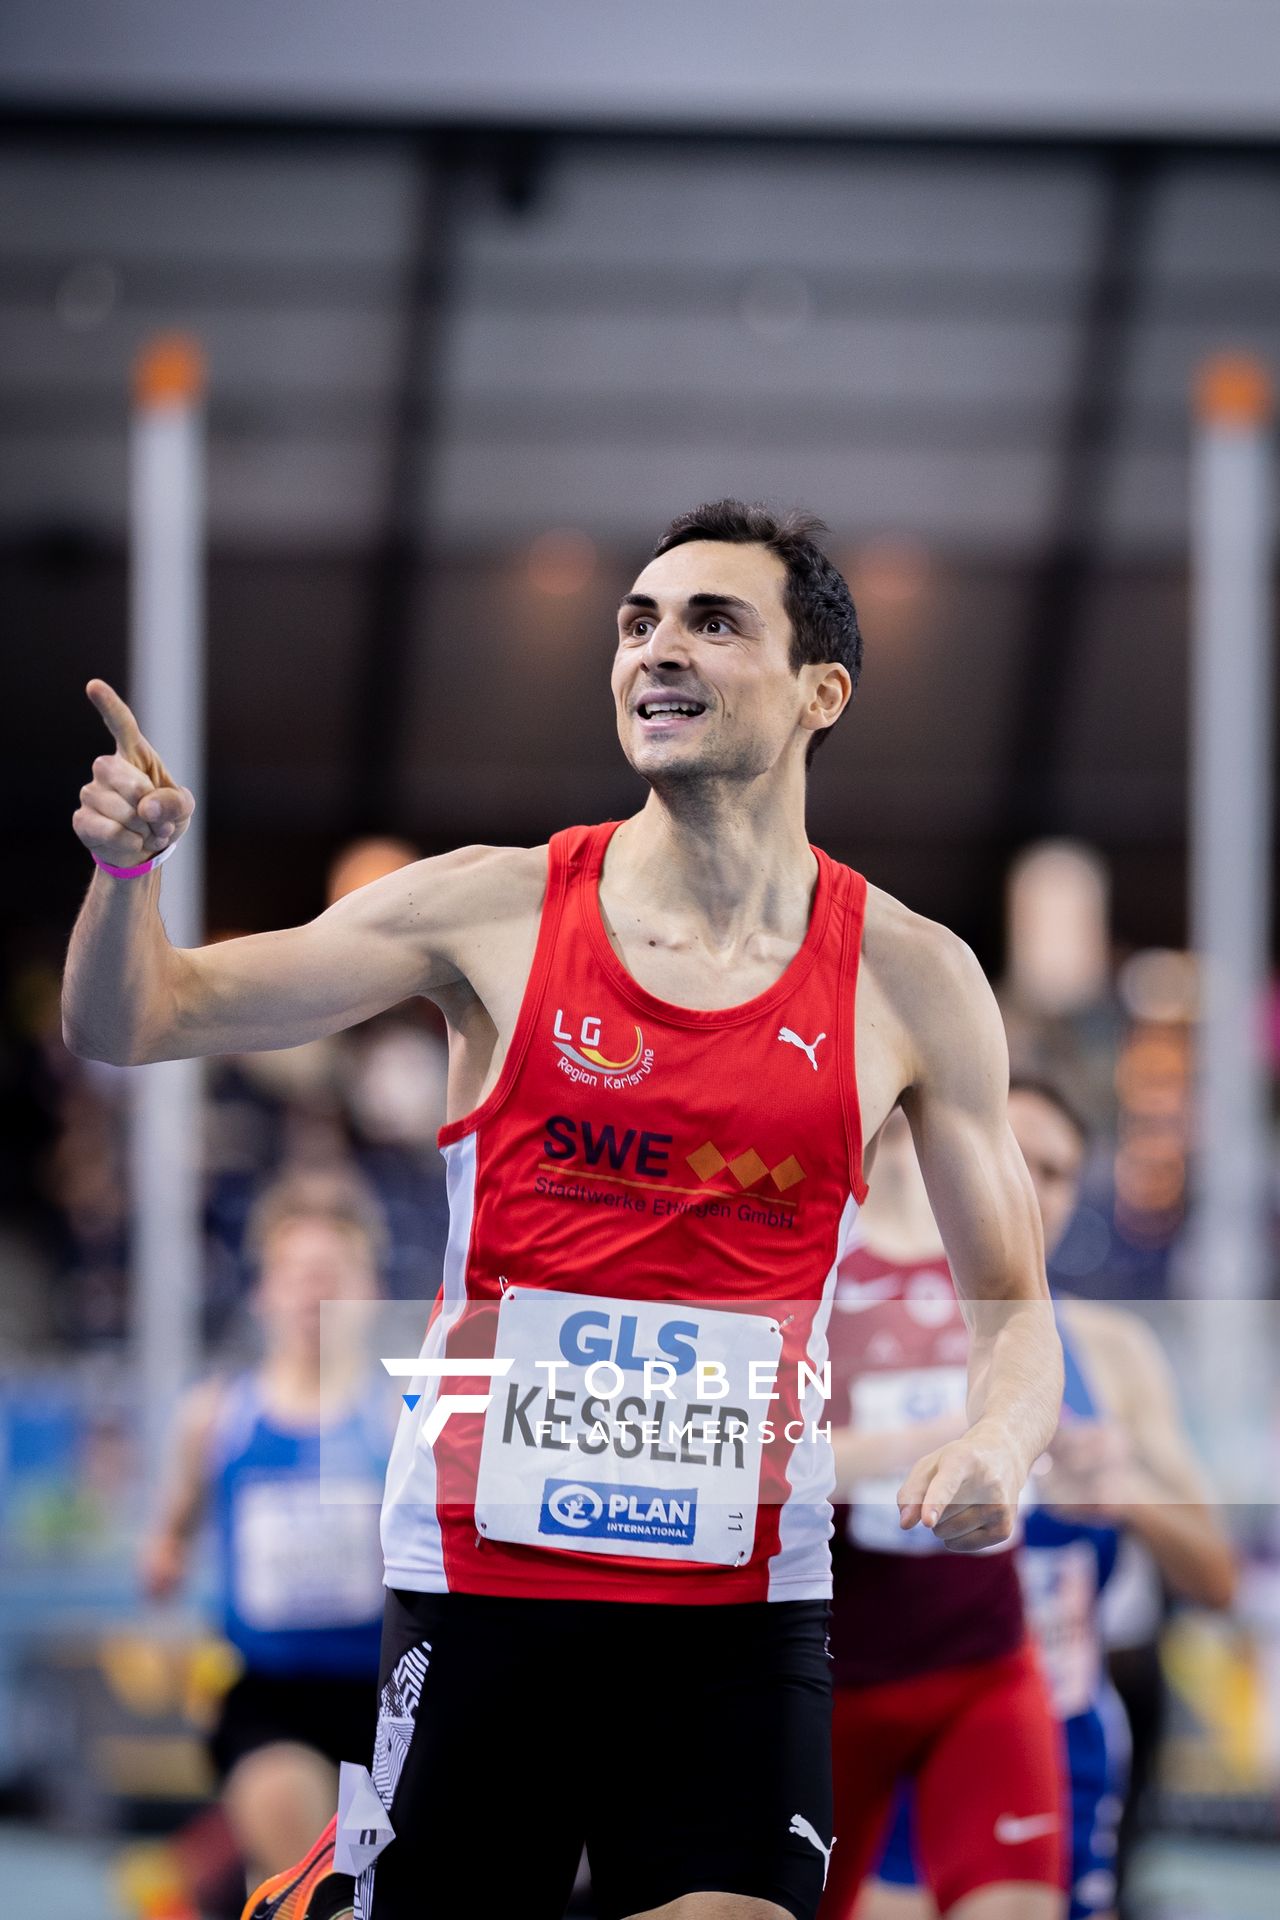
column 1058, row 998
column 375, row 1094
column 366, row 860
column 395, row 1072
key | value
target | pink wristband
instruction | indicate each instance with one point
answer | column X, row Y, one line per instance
column 131, row 873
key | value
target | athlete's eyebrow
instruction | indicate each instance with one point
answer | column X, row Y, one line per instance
column 729, row 601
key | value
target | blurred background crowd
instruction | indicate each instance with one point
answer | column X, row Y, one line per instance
column 474, row 329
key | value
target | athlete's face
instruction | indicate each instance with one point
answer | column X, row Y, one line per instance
column 305, row 1262
column 705, row 626
column 1054, row 1153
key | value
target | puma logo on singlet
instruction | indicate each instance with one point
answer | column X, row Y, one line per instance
column 1011, row 1831
column 803, row 1827
column 811, row 1049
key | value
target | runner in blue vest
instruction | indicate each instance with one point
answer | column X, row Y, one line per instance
column 300, row 1574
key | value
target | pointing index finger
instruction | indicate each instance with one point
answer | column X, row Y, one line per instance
column 912, row 1491
column 119, row 719
column 943, row 1487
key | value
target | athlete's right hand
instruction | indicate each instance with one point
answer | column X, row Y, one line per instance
column 965, row 1492
column 131, row 809
column 162, row 1563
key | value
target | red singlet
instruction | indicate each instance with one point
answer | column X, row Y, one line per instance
column 634, row 1152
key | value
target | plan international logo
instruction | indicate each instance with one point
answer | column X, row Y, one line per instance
column 601, row 1510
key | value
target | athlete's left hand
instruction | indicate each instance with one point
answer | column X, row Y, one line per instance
column 966, row 1492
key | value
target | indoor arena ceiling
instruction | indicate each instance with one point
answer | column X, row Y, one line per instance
column 922, row 342
column 428, row 352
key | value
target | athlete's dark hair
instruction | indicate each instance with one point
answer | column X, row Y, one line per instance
column 1053, row 1095
column 824, row 620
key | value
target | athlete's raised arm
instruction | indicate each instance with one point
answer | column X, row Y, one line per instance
column 129, row 996
column 985, row 1207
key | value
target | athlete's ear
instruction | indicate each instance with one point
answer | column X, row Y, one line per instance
column 829, row 694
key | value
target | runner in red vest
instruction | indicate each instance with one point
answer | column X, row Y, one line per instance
column 935, row 1691
column 936, row 1680
column 673, row 1042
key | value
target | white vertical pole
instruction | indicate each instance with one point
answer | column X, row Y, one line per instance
column 166, row 690
column 1232, row 540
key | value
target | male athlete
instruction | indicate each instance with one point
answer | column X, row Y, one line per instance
column 670, row 1038
column 1120, row 1459
column 936, row 1680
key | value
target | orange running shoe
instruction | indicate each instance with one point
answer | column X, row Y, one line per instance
column 309, row 1891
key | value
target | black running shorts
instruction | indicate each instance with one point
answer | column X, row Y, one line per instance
column 687, row 1748
column 330, row 1712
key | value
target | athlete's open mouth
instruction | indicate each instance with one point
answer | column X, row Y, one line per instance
column 662, row 708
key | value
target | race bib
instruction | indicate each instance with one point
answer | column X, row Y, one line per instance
column 626, row 1427
column 1060, row 1586
column 885, row 1403
column 303, row 1560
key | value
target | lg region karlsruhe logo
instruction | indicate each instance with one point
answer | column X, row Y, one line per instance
column 583, row 1058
